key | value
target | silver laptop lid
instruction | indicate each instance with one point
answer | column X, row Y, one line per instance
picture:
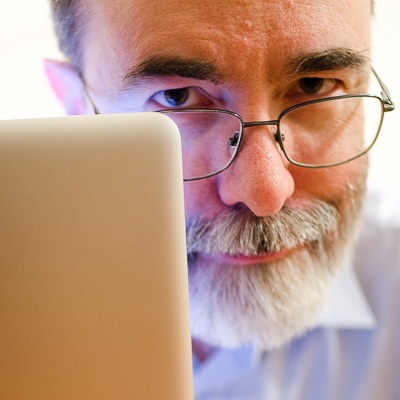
column 93, row 274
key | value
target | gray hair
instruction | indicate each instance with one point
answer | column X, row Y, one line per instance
column 69, row 25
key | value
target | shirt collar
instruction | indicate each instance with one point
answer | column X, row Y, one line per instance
column 347, row 305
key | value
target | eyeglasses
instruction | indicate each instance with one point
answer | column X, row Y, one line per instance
column 321, row 133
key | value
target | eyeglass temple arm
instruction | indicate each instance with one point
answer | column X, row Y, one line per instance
column 87, row 95
column 387, row 99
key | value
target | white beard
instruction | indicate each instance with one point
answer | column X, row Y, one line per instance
column 266, row 305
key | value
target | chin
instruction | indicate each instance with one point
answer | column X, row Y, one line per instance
column 265, row 305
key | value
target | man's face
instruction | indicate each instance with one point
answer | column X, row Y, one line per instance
column 264, row 237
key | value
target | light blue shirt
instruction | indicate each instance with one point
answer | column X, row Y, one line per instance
column 353, row 353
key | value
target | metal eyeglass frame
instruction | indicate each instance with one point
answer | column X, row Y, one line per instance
column 386, row 101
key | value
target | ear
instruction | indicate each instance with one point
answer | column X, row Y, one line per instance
column 67, row 85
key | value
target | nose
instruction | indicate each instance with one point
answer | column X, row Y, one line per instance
column 259, row 178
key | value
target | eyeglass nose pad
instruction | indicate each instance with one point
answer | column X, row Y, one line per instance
column 279, row 138
column 234, row 140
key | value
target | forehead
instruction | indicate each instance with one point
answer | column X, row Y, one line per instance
column 234, row 35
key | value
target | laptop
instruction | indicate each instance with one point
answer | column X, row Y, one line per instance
column 93, row 268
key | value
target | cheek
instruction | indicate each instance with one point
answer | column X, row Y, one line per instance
column 330, row 184
column 201, row 199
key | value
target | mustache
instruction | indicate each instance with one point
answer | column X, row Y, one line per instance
column 241, row 232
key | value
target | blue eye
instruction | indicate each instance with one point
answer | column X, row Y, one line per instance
column 176, row 97
column 182, row 97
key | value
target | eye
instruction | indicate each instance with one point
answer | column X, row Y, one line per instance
column 176, row 97
column 312, row 85
column 188, row 97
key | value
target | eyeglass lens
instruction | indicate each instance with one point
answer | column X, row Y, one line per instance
column 209, row 141
column 331, row 132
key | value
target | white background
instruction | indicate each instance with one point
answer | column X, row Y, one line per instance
column 26, row 37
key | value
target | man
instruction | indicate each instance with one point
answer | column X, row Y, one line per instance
column 272, row 207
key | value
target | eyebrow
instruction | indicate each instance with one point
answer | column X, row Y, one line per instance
column 332, row 59
column 164, row 66
column 167, row 66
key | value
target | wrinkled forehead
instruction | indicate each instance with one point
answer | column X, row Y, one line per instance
column 233, row 34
